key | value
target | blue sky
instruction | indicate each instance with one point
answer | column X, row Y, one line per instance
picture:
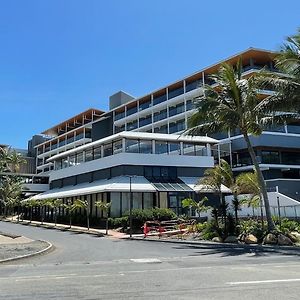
column 60, row 57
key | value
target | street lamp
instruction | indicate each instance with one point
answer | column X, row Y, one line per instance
column 130, row 204
column 130, row 207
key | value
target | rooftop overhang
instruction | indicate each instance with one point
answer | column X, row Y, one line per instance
column 80, row 118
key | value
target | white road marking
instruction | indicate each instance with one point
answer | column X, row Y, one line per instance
column 146, row 260
column 263, row 281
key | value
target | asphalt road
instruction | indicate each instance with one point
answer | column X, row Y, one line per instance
column 88, row 267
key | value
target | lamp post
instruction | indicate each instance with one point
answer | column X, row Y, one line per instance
column 130, row 208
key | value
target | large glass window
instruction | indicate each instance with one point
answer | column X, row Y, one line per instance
column 72, row 160
column 270, row 157
column 132, row 146
column 145, row 120
column 161, row 147
column 175, row 92
column 79, row 158
column 193, row 85
column 290, row 158
column 58, row 164
column 148, row 200
column 188, row 149
column 119, row 114
column 107, row 150
column 145, row 105
column 189, row 105
column 131, row 110
column 119, row 128
column 65, row 163
column 132, row 125
column 97, row 152
column 174, row 148
column 89, row 155
column 159, row 99
column 117, row 147
column 161, row 115
column 161, row 129
column 175, row 110
column 146, row 147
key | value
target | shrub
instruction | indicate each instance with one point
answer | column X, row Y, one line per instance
column 252, row 227
column 287, row 225
column 118, row 222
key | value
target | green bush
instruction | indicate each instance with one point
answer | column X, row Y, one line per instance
column 118, row 222
column 208, row 230
column 287, row 225
column 252, row 227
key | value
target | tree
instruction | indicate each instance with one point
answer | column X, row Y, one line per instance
column 15, row 161
column 85, row 205
column 249, row 184
column 105, row 207
column 234, row 104
column 54, row 204
column 286, row 84
column 198, row 206
column 30, row 203
column 69, row 207
column 10, row 191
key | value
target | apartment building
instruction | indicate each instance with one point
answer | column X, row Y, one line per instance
column 139, row 134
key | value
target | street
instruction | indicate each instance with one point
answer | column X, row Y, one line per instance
column 87, row 267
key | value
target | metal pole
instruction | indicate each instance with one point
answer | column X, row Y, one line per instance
column 279, row 216
column 130, row 208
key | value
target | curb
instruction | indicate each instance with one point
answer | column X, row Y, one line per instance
column 67, row 229
column 222, row 245
column 48, row 248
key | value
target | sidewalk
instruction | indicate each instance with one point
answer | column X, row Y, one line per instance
column 74, row 228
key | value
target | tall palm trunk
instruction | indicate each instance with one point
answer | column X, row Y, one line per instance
column 262, row 184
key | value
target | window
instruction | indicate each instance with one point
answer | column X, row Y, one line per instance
column 131, row 110
column 65, row 163
column 159, row 99
column 119, row 115
column 146, row 147
column 72, row 160
column 132, row 146
column 145, row 105
column 117, row 147
column 119, row 128
column 175, row 92
column 270, row 157
column 175, row 110
column 89, row 155
column 97, row 152
column 174, row 148
column 188, row 149
column 79, row 158
column 107, row 150
column 161, row 147
column 132, row 125
column 145, row 120
column 193, row 85
column 160, row 115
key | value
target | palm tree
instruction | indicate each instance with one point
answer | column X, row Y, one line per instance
column 10, row 191
column 249, row 184
column 199, row 206
column 287, row 83
column 69, row 207
column 236, row 204
column 85, row 205
column 31, row 203
column 234, row 104
column 54, row 204
column 105, row 207
column 15, row 161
